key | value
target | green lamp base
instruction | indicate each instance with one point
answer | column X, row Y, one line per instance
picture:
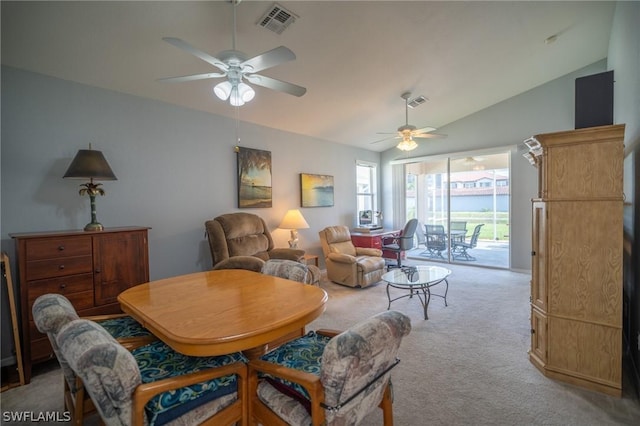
column 94, row 226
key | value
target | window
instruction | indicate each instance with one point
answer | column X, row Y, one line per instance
column 366, row 186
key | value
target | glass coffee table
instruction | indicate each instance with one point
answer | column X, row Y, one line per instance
column 418, row 280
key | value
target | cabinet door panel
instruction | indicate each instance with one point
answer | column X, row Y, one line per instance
column 589, row 351
column 539, row 335
column 120, row 262
column 585, row 260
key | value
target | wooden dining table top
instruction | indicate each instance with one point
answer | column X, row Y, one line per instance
column 222, row 311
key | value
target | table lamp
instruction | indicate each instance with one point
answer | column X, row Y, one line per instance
column 90, row 164
column 294, row 220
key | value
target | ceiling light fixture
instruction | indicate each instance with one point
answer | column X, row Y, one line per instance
column 407, row 144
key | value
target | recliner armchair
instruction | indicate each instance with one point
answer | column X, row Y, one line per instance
column 242, row 241
column 347, row 264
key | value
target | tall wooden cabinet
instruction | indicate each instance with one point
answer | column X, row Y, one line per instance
column 89, row 268
column 576, row 285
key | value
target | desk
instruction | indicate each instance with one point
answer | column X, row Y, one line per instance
column 373, row 239
column 417, row 279
column 224, row 311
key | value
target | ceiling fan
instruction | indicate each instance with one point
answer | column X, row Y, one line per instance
column 407, row 131
column 235, row 66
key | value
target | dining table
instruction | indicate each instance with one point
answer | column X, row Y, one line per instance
column 223, row 311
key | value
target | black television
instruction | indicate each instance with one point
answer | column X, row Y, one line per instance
column 594, row 100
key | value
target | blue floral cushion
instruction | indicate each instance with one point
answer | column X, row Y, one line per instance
column 303, row 354
column 124, row 327
column 158, row 361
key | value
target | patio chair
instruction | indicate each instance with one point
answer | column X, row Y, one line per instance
column 459, row 248
column 458, row 230
column 436, row 241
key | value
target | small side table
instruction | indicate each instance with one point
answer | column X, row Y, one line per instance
column 311, row 259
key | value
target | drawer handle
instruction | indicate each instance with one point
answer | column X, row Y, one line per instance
column 61, row 267
column 63, row 286
column 60, row 248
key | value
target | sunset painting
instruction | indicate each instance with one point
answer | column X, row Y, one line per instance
column 316, row 190
column 254, row 178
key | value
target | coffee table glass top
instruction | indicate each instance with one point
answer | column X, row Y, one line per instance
column 410, row 276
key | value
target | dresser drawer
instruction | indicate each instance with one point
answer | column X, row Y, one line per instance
column 78, row 289
column 49, row 268
column 50, row 248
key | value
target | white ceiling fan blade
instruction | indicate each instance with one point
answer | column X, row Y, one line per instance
column 193, row 77
column 429, row 135
column 385, row 139
column 272, row 83
column 197, row 53
column 426, row 129
column 268, row 59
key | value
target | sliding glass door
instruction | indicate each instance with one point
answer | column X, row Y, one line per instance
column 462, row 204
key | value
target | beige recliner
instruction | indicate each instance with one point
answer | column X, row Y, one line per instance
column 347, row 264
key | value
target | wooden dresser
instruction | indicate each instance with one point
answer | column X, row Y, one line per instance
column 89, row 268
column 576, row 276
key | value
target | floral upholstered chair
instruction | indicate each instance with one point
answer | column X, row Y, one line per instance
column 50, row 313
column 329, row 378
column 152, row 384
column 291, row 270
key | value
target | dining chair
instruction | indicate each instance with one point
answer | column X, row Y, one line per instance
column 292, row 270
column 152, row 384
column 459, row 248
column 327, row 377
column 399, row 244
column 52, row 311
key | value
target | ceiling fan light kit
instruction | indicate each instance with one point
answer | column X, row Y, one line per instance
column 407, row 132
column 236, row 67
column 407, row 144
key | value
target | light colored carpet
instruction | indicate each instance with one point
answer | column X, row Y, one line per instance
column 466, row 365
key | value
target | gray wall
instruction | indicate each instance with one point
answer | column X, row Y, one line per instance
column 176, row 168
column 546, row 108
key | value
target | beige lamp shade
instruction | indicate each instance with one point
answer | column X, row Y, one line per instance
column 293, row 220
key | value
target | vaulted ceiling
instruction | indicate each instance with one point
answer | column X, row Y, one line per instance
column 354, row 57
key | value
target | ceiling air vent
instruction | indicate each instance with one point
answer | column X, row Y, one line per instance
column 277, row 19
column 417, row 101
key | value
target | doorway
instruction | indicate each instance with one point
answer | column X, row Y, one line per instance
column 462, row 204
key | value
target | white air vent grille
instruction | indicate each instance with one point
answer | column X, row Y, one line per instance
column 277, row 19
column 417, row 101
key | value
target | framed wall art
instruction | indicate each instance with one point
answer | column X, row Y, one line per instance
column 316, row 190
column 254, row 178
